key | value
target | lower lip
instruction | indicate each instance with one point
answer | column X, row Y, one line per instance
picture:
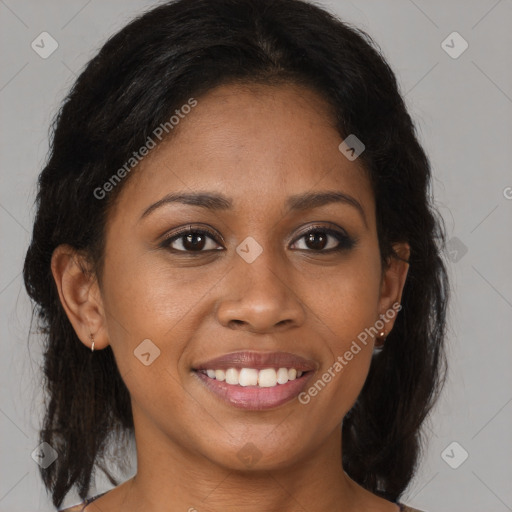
column 254, row 398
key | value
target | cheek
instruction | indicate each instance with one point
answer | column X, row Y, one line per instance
column 352, row 365
column 147, row 301
column 149, row 298
column 346, row 301
column 345, row 308
column 335, row 388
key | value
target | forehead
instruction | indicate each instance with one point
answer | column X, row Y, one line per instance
column 255, row 143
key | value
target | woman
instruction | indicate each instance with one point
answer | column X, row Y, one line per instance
column 236, row 258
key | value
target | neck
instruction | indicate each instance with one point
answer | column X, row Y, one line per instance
column 171, row 477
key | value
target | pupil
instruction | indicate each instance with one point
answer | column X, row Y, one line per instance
column 314, row 237
column 193, row 241
column 189, row 244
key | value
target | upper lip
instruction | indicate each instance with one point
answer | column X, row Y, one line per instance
column 258, row 360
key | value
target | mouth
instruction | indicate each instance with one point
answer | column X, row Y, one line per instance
column 255, row 380
column 245, row 377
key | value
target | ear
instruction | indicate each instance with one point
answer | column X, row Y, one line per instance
column 393, row 281
column 79, row 295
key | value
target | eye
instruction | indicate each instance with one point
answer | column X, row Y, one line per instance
column 317, row 239
column 191, row 239
column 322, row 239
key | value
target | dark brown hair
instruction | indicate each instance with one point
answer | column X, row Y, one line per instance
column 138, row 79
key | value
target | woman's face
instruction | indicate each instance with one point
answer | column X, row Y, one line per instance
column 259, row 283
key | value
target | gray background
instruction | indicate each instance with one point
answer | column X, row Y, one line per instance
column 463, row 110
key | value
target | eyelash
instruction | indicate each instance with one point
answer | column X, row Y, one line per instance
column 344, row 242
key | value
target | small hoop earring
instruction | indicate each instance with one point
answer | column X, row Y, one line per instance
column 92, row 345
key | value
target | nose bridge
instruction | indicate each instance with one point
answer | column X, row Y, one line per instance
column 263, row 298
column 266, row 279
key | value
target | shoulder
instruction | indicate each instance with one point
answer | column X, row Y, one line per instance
column 405, row 508
column 80, row 507
column 76, row 508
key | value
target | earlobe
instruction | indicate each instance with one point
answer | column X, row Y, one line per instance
column 79, row 295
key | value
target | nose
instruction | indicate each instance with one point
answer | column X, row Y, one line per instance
column 261, row 299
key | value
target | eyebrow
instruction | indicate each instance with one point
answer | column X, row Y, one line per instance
column 219, row 202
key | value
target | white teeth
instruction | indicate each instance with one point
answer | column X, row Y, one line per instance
column 282, row 376
column 231, row 376
column 248, row 377
column 266, row 378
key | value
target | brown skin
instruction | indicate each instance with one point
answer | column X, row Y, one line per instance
column 257, row 145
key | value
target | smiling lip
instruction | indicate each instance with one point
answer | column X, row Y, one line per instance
column 257, row 398
column 259, row 361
